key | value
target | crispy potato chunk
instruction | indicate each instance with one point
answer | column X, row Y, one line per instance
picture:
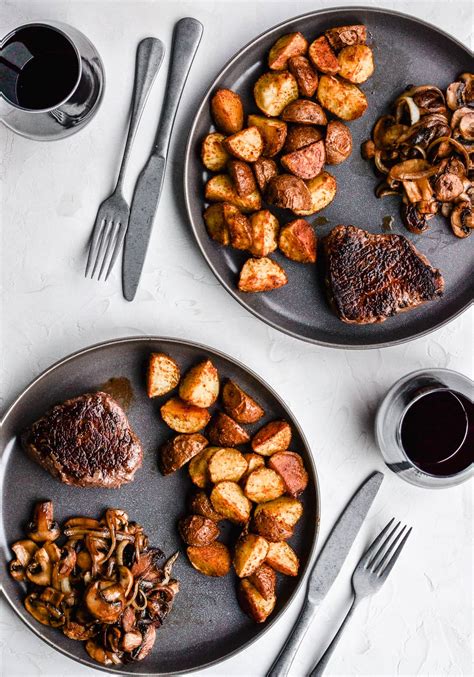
column 261, row 275
column 230, row 501
column 274, row 91
column 216, row 225
column 254, row 462
column 239, row 405
column 263, row 485
column 290, row 466
column 264, row 170
column 300, row 136
column 211, row 560
column 249, row 555
column 199, row 503
column 239, row 228
column 179, row 450
column 304, row 112
column 219, row 188
column 227, row 111
column 198, row 530
column 338, row 142
column 282, row 558
column 273, row 133
column 341, row 36
column 227, row 464
column 213, row 154
column 306, row 162
column 289, row 510
column 183, row 417
column 274, row 436
column 163, row 374
column 246, row 145
column 357, row 63
column 264, row 227
column 200, row 385
column 322, row 190
column 253, row 603
column 264, row 580
column 304, row 75
column 297, row 241
column 223, row 431
column 242, row 177
column 198, row 468
column 275, row 520
column 292, row 44
column 323, row 57
column 288, row 192
column 341, row 98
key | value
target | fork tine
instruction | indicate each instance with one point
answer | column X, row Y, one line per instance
column 99, row 225
column 367, row 556
column 109, row 249
column 102, row 245
column 382, row 557
column 389, row 566
column 118, row 246
column 382, row 547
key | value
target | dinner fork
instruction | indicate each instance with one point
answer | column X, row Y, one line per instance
column 368, row 577
column 112, row 217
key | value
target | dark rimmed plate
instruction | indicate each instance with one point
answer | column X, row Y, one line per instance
column 406, row 51
column 206, row 624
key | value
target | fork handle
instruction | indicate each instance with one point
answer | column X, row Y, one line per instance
column 320, row 667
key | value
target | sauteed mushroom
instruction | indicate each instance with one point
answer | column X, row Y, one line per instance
column 24, row 551
column 43, row 527
column 462, row 221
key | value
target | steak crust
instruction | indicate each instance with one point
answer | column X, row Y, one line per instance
column 86, row 441
column 372, row 277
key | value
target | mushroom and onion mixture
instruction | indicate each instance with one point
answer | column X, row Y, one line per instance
column 102, row 586
column 425, row 149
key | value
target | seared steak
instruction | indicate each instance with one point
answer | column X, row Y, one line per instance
column 371, row 277
column 86, row 441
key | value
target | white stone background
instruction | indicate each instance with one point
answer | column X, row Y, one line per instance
column 421, row 621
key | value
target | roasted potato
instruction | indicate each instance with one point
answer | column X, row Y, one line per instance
column 239, row 228
column 338, row 142
column 239, row 405
column 264, row 170
column 230, row 501
column 249, row 555
column 304, row 75
column 356, row 62
column 263, row 485
column 219, row 188
column 253, row 603
column 289, row 510
column 198, row 530
column 213, row 154
column 200, row 385
column 163, row 374
column 264, row 580
column 199, row 503
column 288, row 192
column 212, row 560
column 341, row 98
column 322, row 56
column 242, row 177
column 300, row 136
column 282, row 558
column 306, row 162
column 246, row 145
column 216, row 224
column 261, row 275
column 183, row 417
column 274, row 91
column 275, row 520
column 179, row 450
column 304, row 112
column 227, row 111
column 254, row 462
column 341, row 36
column 322, row 190
column 274, row 436
column 264, row 227
column 227, row 464
column 298, row 242
column 292, row 44
column 273, row 132
column 290, row 467
column 223, row 431
column 198, row 468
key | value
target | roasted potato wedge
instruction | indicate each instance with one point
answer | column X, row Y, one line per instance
column 300, row 136
column 179, row 450
column 253, row 603
column 198, row 530
column 199, row 503
column 322, row 190
column 322, row 56
column 246, row 145
column 261, row 275
column 239, row 228
column 200, row 385
column 239, row 405
column 275, row 520
column 230, row 501
column 264, row 170
column 341, row 98
column 338, row 142
column 289, row 510
column 264, row 227
column 264, row 580
column 223, row 431
column 183, row 417
column 292, row 44
column 304, row 112
column 288, row 192
column 219, row 188
column 242, row 177
column 274, row 436
column 356, row 63
column 274, row 91
column 341, row 36
column 304, row 74
column 227, row 111
column 163, row 374
column 273, row 132
column 213, row 154
column 216, row 225
column 290, row 467
column 227, row 464
column 263, row 485
column 298, row 242
column 306, row 162
column 282, row 558
column 254, row 462
column 249, row 555
column 198, row 468
column 212, row 560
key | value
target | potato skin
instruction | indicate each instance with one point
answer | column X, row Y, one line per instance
column 264, row 227
column 275, row 520
column 300, row 136
column 254, row 461
column 306, row 162
column 239, row 228
column 198, row 468
column 213, row 154
column 282, row 558
column 288, row 192
column 298, row 242
column 274, row 436
column 239, row 405
column 216, row 225
column 322, row 56
column 263, row 485
column 357, row 63
column 200, row 385
column 341, row 98
column 223, row 431
column 338, row 142
column 322, row 190
column 273, row 132
column 211, row 560
column 250, row 553
column 246, row 145
column 305, row 76
column 219, row 188
column 242, row 177
column 183, row 417
column 264, row 170
column 259, row 275
column 304, row 112
column 264, row 580
column 274, row 91
column 199, row 503
column 179, row 450
column 227, row 111
column 229, row 500
column 198, row 530
column 163, row 374
column 290, row 466
column 341, row 36
column 252, row 602
column 292, row 44
column 227, row 464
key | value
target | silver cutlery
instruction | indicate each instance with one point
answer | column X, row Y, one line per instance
column 112, row 217
column 186, row 38
column 327, row 566
column 368, row 577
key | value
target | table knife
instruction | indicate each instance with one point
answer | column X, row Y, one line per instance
column 186, row 38
column 327, row 566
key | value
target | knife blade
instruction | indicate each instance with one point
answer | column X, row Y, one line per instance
column 327, row 567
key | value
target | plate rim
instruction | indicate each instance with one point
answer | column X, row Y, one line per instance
column 188, row 158
column 316, row 528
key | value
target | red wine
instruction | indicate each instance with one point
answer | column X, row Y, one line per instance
column 437, row 432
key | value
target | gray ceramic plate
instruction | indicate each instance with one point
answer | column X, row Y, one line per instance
column 406, row 51
column 206, row 624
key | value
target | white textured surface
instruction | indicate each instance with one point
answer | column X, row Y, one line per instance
column 421, row 622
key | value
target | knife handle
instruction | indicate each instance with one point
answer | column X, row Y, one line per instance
column 186, row 38
column 285, row 658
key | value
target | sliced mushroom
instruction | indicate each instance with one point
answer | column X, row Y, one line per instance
column 448, row 187
column 413, row 220
column 466, row 126
column 105, row 600
column 40, row 568
column 462, row 221
column 80, row 632
column 46, row 607
column 427, row 98
column 43, row 528
column 131, row 640
column 148, row 640
column 101, row 655
column 24, row 551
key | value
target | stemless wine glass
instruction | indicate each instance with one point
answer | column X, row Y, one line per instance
column 388, row 423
